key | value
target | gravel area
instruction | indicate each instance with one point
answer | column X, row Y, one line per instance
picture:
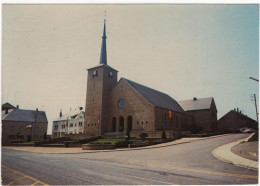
column 248, row 150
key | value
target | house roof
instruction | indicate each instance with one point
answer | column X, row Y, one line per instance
column 102, row 64
column 196, row 104
column 238, row 114
column 70, row 115
column 155, row 97
column 7, row 106
column 26, row 115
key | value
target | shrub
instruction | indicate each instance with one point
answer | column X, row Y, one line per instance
column 254, row 137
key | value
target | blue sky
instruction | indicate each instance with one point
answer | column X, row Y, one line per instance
column 184, row 51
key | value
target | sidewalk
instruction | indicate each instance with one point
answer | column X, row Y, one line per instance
column 224, row 153
column 74, row 150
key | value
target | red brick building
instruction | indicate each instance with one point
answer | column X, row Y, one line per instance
column 204, row 113
column 114, row 106
column 23, row 125
column 234, row 120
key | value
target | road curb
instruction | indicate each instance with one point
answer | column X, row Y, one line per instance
column 225, row 154
column 127, row 149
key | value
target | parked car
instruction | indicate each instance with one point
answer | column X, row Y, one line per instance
column 247, row 130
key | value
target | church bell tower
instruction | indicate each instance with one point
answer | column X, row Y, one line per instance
column 101, row 80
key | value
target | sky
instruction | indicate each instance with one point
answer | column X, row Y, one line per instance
column 184, row 51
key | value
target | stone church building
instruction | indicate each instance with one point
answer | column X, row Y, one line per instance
column 125, row 106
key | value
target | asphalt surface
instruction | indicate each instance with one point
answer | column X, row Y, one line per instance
column 189, row 163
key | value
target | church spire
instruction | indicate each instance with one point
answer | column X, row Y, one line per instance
column 103, row 55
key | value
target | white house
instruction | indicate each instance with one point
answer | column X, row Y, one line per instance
column 70, row 123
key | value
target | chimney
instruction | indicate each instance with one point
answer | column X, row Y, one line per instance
column 60, row 112
column 17, row 106
column 194, row 99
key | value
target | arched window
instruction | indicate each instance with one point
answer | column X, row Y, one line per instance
column 114, row 124
column 121, row 124
column 129, row 123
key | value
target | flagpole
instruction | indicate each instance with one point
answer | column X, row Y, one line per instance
column 31, row 132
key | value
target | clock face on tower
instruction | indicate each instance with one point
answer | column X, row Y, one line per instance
column 110, row 73
column 94, row 73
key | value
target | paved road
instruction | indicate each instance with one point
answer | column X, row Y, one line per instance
column 189, row 163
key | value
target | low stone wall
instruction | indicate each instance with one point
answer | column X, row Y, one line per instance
column 17, row 144
column 97, row 146
column 76, row 136
column 170, row 134
column 138, row 144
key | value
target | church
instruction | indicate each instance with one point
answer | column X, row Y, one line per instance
column 126, row 107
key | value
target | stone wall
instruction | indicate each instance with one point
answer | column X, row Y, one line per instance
column 206, row 119
column 10, row 130
column 98, row 89
column 136, row 109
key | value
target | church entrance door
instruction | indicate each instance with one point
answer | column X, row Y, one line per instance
column 114, row 124
column 121, row 124
column 129, row 123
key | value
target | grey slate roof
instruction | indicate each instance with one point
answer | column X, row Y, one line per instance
column 155, row 97
column 69, row 115
column 238, row 114
column 199, row 104
column 7, row 106
column 26, row 115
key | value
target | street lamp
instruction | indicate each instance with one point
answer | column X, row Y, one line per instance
column 254, row 79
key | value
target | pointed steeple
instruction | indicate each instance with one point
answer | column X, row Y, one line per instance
column 103, row 55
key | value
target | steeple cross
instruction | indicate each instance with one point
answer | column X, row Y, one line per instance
column 105, row 15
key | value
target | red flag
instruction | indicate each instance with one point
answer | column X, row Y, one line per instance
column 170, row 114
column 28, row 127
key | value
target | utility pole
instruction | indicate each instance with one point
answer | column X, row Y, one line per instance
column 256, row 109
column 255, row 99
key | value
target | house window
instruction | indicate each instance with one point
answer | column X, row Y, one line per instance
column 137, row 122
column 75, row 124
column 80, row 124
column 71, row 124
column 56, row 127
column 146, row 122
column 11, row 136
column 142, row 122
